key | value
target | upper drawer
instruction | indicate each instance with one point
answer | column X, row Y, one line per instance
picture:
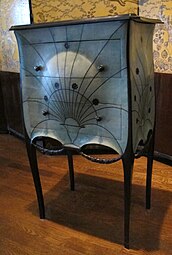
column 75, row 50
column 84, row 59
column 79, row 32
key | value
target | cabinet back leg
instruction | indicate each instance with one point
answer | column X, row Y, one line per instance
column 71, row 170
column 149, row 172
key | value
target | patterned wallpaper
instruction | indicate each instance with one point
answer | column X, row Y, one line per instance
column 163, row 33
column 17, row 12
column 11, row 12
column 51, row 10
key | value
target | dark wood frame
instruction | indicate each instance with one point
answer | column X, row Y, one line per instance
column 31, row 13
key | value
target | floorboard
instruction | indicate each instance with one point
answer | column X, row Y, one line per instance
column 87, row 221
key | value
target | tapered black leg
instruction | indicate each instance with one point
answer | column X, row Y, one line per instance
column 31, row 150
column 71, row 170
column 128, row 162
column 149, row 172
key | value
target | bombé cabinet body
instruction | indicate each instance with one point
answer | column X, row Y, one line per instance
column 90, row 82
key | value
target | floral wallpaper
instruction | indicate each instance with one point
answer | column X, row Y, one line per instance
column 51, row 10
column 163, row 32
column 17, row 12
column 12, row 12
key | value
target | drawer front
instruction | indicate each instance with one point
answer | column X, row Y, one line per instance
column 74, row 85
column 82, row 59
column 77, row 32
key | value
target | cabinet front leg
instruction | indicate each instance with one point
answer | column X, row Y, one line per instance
column 31, row 151
column 128, row 162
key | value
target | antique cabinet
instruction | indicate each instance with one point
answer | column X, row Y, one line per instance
column 90, row 82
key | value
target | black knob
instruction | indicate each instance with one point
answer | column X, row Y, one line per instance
column 101, row 68
column 137, row 71
column 45, row 112
column 56, row 85
column 98, row 118
column 95, row 101
column 66, row 45
column 37, row 68
column 45, row 98
column 74, row 86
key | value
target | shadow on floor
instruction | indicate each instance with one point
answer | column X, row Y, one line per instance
column 96, row 208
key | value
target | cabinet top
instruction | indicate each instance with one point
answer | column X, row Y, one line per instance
column 86, row 21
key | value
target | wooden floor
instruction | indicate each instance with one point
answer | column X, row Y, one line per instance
column 86, row 221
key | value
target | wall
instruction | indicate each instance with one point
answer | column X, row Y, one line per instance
column 17, row 12
column 163, row 33
column 163, row 144
column 11, row 12
column 51, row 10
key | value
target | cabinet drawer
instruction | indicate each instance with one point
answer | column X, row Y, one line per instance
column 76, row 32
column 84, row 59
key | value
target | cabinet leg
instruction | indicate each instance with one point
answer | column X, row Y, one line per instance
column 128, row 169
column 71, row 170
column 149, row 172
column 31, row 150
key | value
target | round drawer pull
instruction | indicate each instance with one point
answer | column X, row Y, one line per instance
column 37, row 68
column 137, row 71
column 56, row 85
column 45, row 112
column 46, row 98
column 95, row 101
column 98, row 118
column 66, row 45
column 101, row 68
column 74, row 86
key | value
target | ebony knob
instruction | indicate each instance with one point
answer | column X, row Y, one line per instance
column 137, row 71
column 37, row 68
column 56, row 85
column 45, row 98
column 101, row 68
column 66, row 45
column 98, row 118
column 95, row 101
column 45, row 112
column 74, row 86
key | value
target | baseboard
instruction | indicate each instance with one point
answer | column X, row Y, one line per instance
column 16, row 134
column 163, row 158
